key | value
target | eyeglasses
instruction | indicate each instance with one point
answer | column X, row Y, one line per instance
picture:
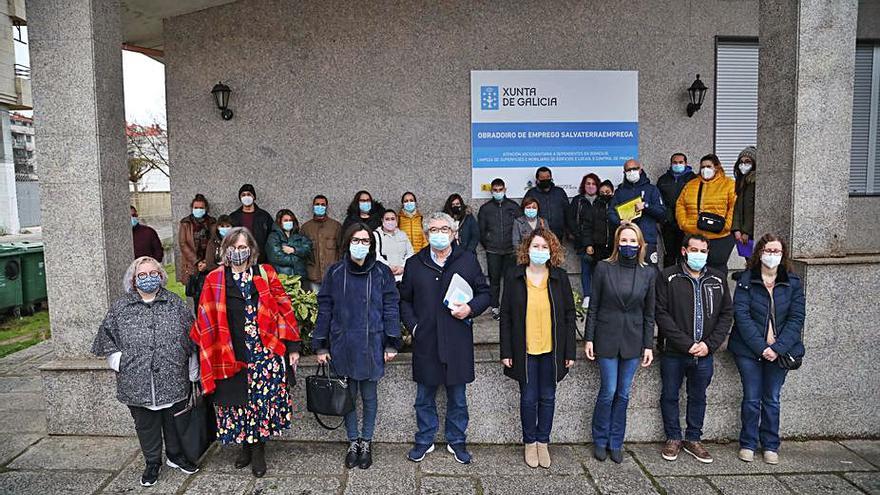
column 631, row 169
column 440, row 230
column 360, row 240
column 144, row 275
column 240, row 249
column 773, row 251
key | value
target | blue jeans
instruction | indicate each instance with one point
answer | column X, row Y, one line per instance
column 673, row 370
column 609, row 416
column 537, row 399
column 762, row 383
column 370, row 402
column 586, row 276
column 429, row 422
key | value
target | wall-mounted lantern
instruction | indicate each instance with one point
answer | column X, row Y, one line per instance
column 697, row 92
column 221, row 99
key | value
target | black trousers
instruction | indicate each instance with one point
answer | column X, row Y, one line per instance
column 672, row 239
column 719, row 252
column 152, row 427
column 497, row 265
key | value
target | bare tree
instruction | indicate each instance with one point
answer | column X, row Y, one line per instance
column 147, row 150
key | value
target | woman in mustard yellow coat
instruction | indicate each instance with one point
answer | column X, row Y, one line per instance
column 705, row 207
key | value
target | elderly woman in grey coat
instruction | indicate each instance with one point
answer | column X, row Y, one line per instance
column 145, row 338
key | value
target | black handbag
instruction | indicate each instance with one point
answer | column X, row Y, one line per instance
column 192, row 424
column 328, row 395
column 708, row 222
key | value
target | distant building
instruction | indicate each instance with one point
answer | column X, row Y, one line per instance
column 22, row 128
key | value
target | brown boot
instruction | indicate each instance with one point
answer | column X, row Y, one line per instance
column 532, row 454
column 671, row 449
column 699, row 452
column 543, row 455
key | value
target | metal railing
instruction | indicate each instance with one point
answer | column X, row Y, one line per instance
column 22, row 71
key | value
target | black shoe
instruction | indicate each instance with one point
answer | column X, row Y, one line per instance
column 617, row 456
column 600, row 453
column 366, row 459
column 353, row 455
column 258, row 463
column 151, row 474
column 243, row 459
column 183, row 465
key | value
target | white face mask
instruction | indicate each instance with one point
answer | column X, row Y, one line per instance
column 771, row 261
column 247, row 200
column 707, row 173
column 633, row 175
column 745, row 168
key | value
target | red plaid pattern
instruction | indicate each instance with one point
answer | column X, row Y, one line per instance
column 275, row 320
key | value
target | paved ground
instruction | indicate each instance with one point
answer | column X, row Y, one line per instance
column 34, row 463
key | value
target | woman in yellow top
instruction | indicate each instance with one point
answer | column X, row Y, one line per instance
column 537, row 336
column 410, row 221
column 705, row 207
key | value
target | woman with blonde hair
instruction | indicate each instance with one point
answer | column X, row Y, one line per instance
column 244, row 328
column 149, row 324
column 537, row 336
column 619, row 334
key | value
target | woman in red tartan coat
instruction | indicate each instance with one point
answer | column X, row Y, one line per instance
column 244, row 327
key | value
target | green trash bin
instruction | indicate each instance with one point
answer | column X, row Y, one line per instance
column 33, row 275
column 10, row 279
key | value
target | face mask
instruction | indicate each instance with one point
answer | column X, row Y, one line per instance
column 223, row 231
column 678, row 168
column 439, row 241
column 134, row 221
column 590, row 190
column 455, row 209
column 628, row 252
column 409, row 206
column 771, row 261
column 247, row 200
column 531, row 213
column 498, row 196
column 545, row 184
column 358, row 251
column 389, row 225
column 287, row 225
column 237, row 257
column 539, row 256
column 198, row 212
column 633, row 175
column 745, row 168
column 319, row 210
column 697, row 260
column 607, row 197
column 707, row 173
column 365, row 206
column 149, row 285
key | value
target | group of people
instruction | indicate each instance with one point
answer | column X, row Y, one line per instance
column 381, row 267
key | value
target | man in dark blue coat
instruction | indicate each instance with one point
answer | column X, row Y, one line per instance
column 443, row 337
column 637, row 184
column 553, row 202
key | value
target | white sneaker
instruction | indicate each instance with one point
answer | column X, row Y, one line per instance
column 746, row 455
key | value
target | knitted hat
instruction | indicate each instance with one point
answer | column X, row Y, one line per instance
column 748, row 152
column 247, row 188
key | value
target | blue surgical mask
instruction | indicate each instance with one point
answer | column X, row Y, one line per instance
column 134, row 221
column 149, row 285
column 439, row 240
column 539, row 256
column 365, row 206
column 409, row 206
column 678, row 168
column 198, row 212
column 697, row 260
column 358, row 251
column 531, row 213
column 223, row 231
column 628, row 252
column 287, row 225
column 319, row 210
column 497, row 196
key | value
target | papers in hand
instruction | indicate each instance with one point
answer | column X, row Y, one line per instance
column 627, row 211
column 459, row 292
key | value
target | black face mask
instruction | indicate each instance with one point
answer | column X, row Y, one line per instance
column 545, row 184
column 456, row 209
column 606, row 197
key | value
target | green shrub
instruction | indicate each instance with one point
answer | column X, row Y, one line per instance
column 305, row 307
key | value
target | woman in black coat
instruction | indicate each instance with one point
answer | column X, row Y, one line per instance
column 537, row 336
column 620, row 332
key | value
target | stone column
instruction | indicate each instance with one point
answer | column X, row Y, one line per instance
column 76, row 60
column 805, row 88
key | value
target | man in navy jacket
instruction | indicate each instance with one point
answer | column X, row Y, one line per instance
column 637, row 184
column 443, row 337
